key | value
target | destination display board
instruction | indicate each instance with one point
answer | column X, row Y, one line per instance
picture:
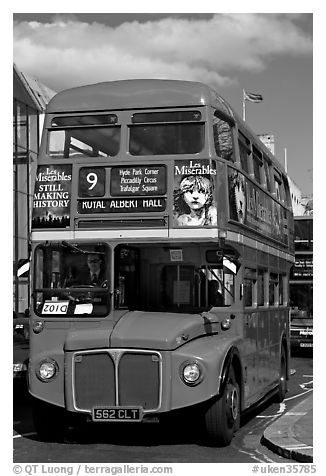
column 130, row 205
column 142, row 180
column 92, row 182
column 303, row 267
column 128, row 189
column 122, row 181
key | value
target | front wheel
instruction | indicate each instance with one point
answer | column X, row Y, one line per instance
column 49, row 421
column 222, row 418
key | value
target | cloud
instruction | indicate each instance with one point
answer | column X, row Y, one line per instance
column 69, row 52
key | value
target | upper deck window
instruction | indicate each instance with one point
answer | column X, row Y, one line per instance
column 244, row 151
column 257, row 163
column 164, row 133
column 84, row 136
column 287, row 193
column 266, row 172
column 223, row 138
column 170, row 116
column 279, row 187
column 79, row 121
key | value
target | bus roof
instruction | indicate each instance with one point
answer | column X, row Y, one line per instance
column 137, row 93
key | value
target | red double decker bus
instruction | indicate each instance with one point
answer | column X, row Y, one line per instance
column 161, row 247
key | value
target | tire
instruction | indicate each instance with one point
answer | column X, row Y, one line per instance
column 282, row 386
column 222, row 418
column 49, row 421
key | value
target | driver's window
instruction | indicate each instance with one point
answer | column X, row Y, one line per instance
column 218, row 289
column 71, row 279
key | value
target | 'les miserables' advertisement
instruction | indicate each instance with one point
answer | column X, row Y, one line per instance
column 52, row 196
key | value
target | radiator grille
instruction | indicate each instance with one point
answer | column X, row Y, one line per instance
column 139, row 380
column 94, row 380
column 136, row 374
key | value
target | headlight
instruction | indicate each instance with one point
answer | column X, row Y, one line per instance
column 191, row 373
column 47, row 370
column 38, row 326
column 226, row 324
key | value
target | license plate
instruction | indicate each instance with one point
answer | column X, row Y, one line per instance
column 306, row 344
column 117, row 414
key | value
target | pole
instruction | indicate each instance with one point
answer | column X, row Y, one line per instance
column 285, row 160
column 243, row 105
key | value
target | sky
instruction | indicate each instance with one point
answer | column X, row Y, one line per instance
column 269, row 54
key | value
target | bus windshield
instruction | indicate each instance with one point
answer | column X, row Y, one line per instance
column 71, row 280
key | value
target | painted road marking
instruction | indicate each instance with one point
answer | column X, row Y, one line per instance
column 24, row 434
column 298, row 395
column 296, row 413
column 281, row 409
column 304, row 385
column 299, row 447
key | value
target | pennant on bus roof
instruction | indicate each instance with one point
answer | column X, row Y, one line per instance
column 252, row 97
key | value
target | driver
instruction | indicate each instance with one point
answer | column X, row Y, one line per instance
column 96, row 274
column 215, row 297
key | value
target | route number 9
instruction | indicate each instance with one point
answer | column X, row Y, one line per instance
column 91, row 182
column 92, row 179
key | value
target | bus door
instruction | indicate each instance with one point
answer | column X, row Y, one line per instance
column 126, row 277
column 250, row 333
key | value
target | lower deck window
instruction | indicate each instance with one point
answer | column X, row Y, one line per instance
column 148, row 279
column 188, row 286
column 273, row 289
column 71, row 280
column 260, row 288
column 250, row 287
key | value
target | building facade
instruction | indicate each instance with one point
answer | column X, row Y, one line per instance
column 29, row 100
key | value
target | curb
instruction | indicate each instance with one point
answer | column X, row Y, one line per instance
column 281, row 438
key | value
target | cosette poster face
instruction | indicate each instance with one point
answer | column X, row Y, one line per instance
column 52, row 196
column 194, row 197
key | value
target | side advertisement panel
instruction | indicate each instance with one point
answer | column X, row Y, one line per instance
column 251, row 206
column 194, row 193
column 52, row 196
